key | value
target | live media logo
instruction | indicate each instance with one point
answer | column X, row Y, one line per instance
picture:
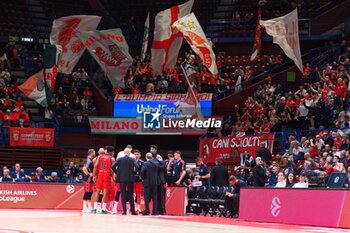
column 155, row 121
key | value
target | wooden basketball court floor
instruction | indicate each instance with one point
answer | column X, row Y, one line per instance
column 51, row 221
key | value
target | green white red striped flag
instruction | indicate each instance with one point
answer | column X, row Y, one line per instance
column 40, row 86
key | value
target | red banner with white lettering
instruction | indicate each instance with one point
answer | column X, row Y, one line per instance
column 40, row 196
column 229, row 149
column 43, row 137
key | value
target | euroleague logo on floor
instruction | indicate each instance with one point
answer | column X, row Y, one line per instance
column 70, row 189
column 275, row 206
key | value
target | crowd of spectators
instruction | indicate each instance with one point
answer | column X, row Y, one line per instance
column 70, row 174
column 305, row 163
column 233, row 72
column 12, row 109
column 319, row 105
column 73, row 98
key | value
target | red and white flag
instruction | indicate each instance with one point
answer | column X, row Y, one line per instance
column 285, row 33
column 64, row 33
column 257, row 41
column 194, row 35
column 167, row 40
column 110, row 50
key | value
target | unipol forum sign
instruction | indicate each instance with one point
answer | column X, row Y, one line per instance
column 230, row 148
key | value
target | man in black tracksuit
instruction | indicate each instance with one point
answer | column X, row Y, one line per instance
column 259, row 173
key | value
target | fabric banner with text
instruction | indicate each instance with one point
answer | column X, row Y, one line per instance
column 41, row 137
column 229, row 149
column 195, row 36
column 63, row 33
column 110, row 50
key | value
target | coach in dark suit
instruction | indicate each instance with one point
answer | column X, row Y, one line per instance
column 150, row 176
column 124, row 169
column 219, row 174
column 162, row 174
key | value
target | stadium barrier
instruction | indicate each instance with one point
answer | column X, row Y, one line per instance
column 41, row 196
column 316, row 207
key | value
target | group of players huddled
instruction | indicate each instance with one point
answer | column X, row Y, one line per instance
column 126, row 175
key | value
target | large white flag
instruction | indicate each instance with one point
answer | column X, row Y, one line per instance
column 63, row 33
column 285, row 32
column 110, row 50
column 145, row 39
column 167, row 40
column 194, row 35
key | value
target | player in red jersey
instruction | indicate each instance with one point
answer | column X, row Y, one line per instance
column 97, row 205
column 103, row 167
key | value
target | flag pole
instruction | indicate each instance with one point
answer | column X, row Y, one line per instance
column 197, row 105
column 189, row 84
column 45, row 86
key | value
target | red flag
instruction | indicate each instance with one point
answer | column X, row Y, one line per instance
column 257, row 41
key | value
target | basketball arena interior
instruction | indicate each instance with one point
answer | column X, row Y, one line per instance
column 177, row 115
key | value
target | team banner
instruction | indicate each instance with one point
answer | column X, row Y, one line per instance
column 194, row 35
column 40, row 196
column 105, row 125
column 167, row 40
column 110, row 50
column 63, row 33
column 229, row 149
column 41, row 137
column 285, row 33
column 160, row 97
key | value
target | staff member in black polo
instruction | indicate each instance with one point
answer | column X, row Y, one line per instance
column 150, row 176
column 178, row 166
column 219, row 174
column 124, row 168
column 170, row 173
column 203, row 172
